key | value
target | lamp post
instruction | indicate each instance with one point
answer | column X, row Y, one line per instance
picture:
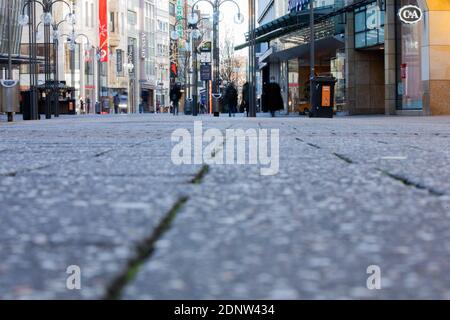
column 311, row 52
column 9, row 75
column 131, row 74
column 72, row 37
column 195, row 35
column 55, row 37
column 252, row 60
column 239, row 18
column 47, row 21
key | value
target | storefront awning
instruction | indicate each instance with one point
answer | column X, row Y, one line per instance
column 284, row 25
column 296, row 21
column 325, row 49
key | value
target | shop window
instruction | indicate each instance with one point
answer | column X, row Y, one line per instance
column 369, row 26
column 409, row 69
column 360, row 40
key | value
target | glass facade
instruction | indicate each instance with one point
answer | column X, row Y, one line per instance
column 369, row 26
column 409, row 71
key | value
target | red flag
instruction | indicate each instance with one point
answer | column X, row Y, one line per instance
column 103, row 29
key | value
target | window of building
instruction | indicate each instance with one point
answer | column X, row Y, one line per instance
column 112, row 22
column 369, row 26
column 132, row 18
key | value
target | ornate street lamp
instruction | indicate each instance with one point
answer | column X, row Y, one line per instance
column 238, row 19
column 47, row 20
column 194, row 35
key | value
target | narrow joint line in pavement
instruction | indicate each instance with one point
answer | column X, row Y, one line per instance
column 313, row 145
column 198, row 179
column 144, row 252
column 28, row 170
column 410, row 183
column 343, row 158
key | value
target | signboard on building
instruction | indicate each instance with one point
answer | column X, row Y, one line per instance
column 410, row 14
column 103, row 29
column 205, row 72
column 297, row 5
column 144, row 45
column 179, row 10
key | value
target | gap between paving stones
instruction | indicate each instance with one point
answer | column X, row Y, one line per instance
column 145, row 250
column 404, row 180
column 45, row 166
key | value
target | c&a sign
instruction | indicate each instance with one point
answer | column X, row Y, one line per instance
column 410, row 14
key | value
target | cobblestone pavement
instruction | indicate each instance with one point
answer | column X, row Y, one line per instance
column 102, row 193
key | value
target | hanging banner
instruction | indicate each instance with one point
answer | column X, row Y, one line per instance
column 103, row 29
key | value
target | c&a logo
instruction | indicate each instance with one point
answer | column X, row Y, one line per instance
column 410, row 14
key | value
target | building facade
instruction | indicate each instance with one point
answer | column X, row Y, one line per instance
column 383, row 63
column 136, row 68
column 12, row 9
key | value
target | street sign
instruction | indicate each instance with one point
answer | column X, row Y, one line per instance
column 206, row 46
column 205, row 57
column 205, row 72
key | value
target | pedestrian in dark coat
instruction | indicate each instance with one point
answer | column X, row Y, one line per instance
column 245, row 105
column 98, row 108
column 274, row 98
column 88, row 105
column 116, row 102
column 231, row 99
column 265, row 98
column 175, row 96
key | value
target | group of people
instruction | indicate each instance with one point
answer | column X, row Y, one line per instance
column 271, row 98
column 85, row 106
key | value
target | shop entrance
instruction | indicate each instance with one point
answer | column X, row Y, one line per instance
column 148, row 100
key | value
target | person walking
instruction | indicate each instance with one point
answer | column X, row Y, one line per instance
column 88, row 105
column 116, row 102
column 245, row 105
column 231, row 99
column 274, row 99
column 175, row 96
column 141, row 106
column 97, row 108
column 81, row 106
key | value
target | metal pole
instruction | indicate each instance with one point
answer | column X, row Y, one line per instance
column 72, row 73
column 312, row 52
column 195, row 79
column 9, row 75
column 47, row 86
column 216, row 58
column 99, row 80
column 35, row 115
column 252, row 60
column 56, row 76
